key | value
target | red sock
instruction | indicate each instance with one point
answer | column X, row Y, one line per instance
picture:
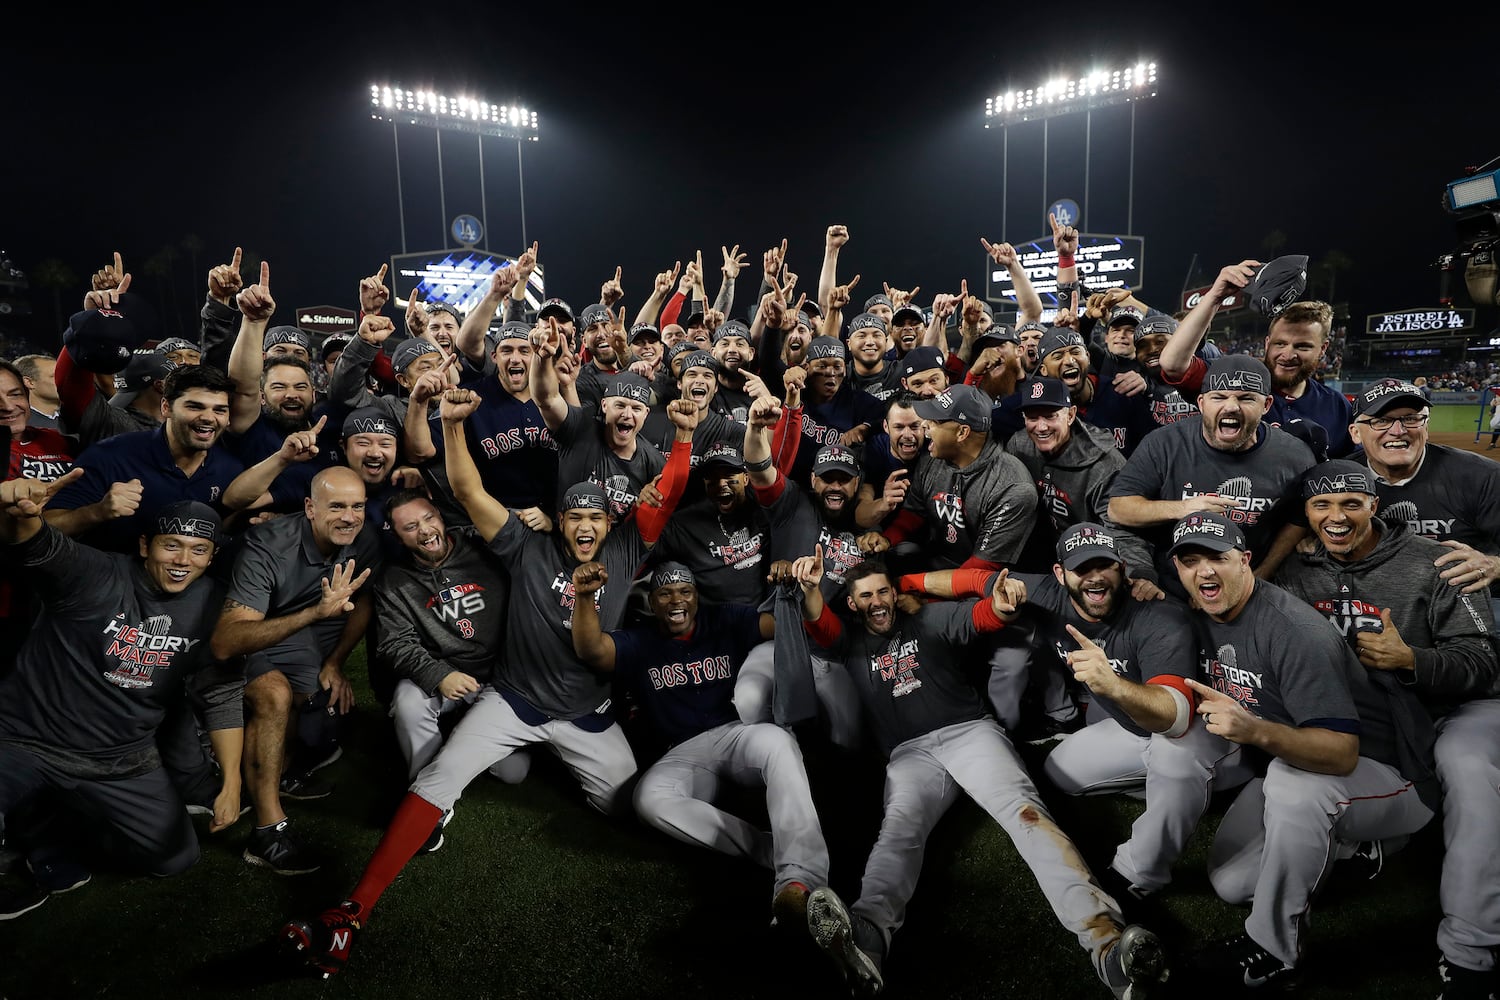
column 408, row 831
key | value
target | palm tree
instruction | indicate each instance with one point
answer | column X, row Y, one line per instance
column 55, row 276
column 1333, row 263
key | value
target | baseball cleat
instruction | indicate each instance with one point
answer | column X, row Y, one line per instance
column 1142, row 962
column 325, row 941
column 828, row 923
column 1465, row 984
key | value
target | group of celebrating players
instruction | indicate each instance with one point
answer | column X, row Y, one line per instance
column 919, row 531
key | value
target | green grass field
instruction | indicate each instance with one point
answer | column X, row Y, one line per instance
column 537, row 896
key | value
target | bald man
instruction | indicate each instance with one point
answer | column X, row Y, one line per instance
column 295, row 610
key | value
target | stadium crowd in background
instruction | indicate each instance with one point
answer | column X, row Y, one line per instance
column 678, row 540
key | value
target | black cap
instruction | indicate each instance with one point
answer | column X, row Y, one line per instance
column 1214, row 532
column 868, row 321
column 920, row 359
column 826, row 347
column 334, row 342
column 1085, row 541
column 994, row 337
column 278, row 335
column 555, row 307
column 731, row 328
column 101, row 340
column 144, row 368
column 410, row 350
column 1154, row 324
column 585, row 496
column 907, row 311
column 836, row 458
column 644, row 330
column 1237, row 373
column 593, row 313
column 879, row 299
column 962, row 403
column 1058, row 338
column 1277, row 285
column 369, row 420
column 629, row 385
column 669, row 573
column 189, row 518
column 1388, row 392
column 1125, row 314
column 724, row 453
column 1045, row 393
column 1337, row 476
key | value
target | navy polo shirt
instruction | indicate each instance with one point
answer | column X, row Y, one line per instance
column 142, row 455
column 264, row 438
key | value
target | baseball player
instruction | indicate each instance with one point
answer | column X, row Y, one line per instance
column 104, row 662
column 1340, row 742
column 543, row 693
column 682, row 667
column 940, row 741
column 1225, row 460
column 1135, row 657
column 1379, row 586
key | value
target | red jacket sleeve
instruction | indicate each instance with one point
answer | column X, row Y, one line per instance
column 826, row 630
column 75, row 388
column 786, row 437
column 906, row 523
column 652, row 521
column 673, row 309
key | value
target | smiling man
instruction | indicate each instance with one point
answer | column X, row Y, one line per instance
column 292, row 611
column 1226, row 460
column 129, row 474
column 1442, row 493
column 543, row 692
column 1378, row 585
column 104, row 663
column 1278, row 678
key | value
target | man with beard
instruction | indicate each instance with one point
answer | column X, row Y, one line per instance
column 603, row 446
column 682, row 668
column 739, row 386
column 1030, row 334
column 1167, row 404
column 1100, row 402
column 283, row 405
column 1442, row 493
column 508, row 440
column 699, row 384
column 543, row 693
column 1134, row 657
column 889, row 459
column 785, row 334
column 906, row 329
column 834, row 412
column 1226, row 461
column 1073, row 465
column 1277, row 679
column 292, row 611
column 440, row 622
column 602, row 364
column 106, row 661
column 1378, row 585
column 415, row 357
column 939, row 741
column 1296, row 342
column 128, row 474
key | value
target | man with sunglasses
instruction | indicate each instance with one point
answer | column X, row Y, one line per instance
column 1441, row 493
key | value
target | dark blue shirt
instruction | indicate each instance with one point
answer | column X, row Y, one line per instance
column 1324, row 406
column 511, row 445
column 142, row 455
column 686, row 684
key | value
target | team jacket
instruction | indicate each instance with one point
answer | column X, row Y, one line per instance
column 984, row 510
column 1451, row 633
column 1073, row 487
column 431, row 621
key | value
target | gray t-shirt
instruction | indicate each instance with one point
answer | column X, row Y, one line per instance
column 583, row 456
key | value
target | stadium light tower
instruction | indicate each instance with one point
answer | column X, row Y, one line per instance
column 1100, row 88
column 444, row 113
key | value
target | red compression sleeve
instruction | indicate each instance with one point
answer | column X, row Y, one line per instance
column 786, row 436
column 75, row 388
column 826, row 630
column 985, row 619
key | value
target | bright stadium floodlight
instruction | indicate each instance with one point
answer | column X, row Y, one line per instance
column 391, row 103
column 1064, row 96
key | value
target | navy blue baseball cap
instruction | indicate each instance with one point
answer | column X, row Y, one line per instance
column 961, row 403
column 1337, row 476
column 189, row 518
column 1084, row 541
column 594, row 313
column 836, row 458
column 410, row 350
column 144, row 368
column 726, row 454
column 1277, row 285
column 1045, row 393
column 920, row 359
column 1058, row 338
column 368, row 420
column 555, row 307
column 101, row 340
column 907, row 312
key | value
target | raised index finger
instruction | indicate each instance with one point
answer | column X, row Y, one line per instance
column 265, row 275
column 380, row 274
column 234, row 262
column 119, row 264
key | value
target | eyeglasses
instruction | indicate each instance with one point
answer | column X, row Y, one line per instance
column 1410, row 421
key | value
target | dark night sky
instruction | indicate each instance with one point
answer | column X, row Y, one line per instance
column 664, row 133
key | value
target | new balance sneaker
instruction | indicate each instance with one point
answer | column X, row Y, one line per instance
column 1460, row 983
column 1136, row 967
column 828, row 923
column 789, row 907
column 55, row 873
column 19, row 898
column 1239, row 959
column 275, row 848
column 325, row 941
column 304, row 787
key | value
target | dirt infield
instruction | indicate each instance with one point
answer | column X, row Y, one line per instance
column 1457, row 439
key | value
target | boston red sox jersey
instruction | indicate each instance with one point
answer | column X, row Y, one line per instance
column 908, row 680
column 686, row 685
column 539, row 663
column 984, row 510
column 1282, row 662
column 511, row 445
column 1175, row 463
column 583, row 456
column 1144, row 641
column 104, row 660
column 434, row 620
column 796, row 528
